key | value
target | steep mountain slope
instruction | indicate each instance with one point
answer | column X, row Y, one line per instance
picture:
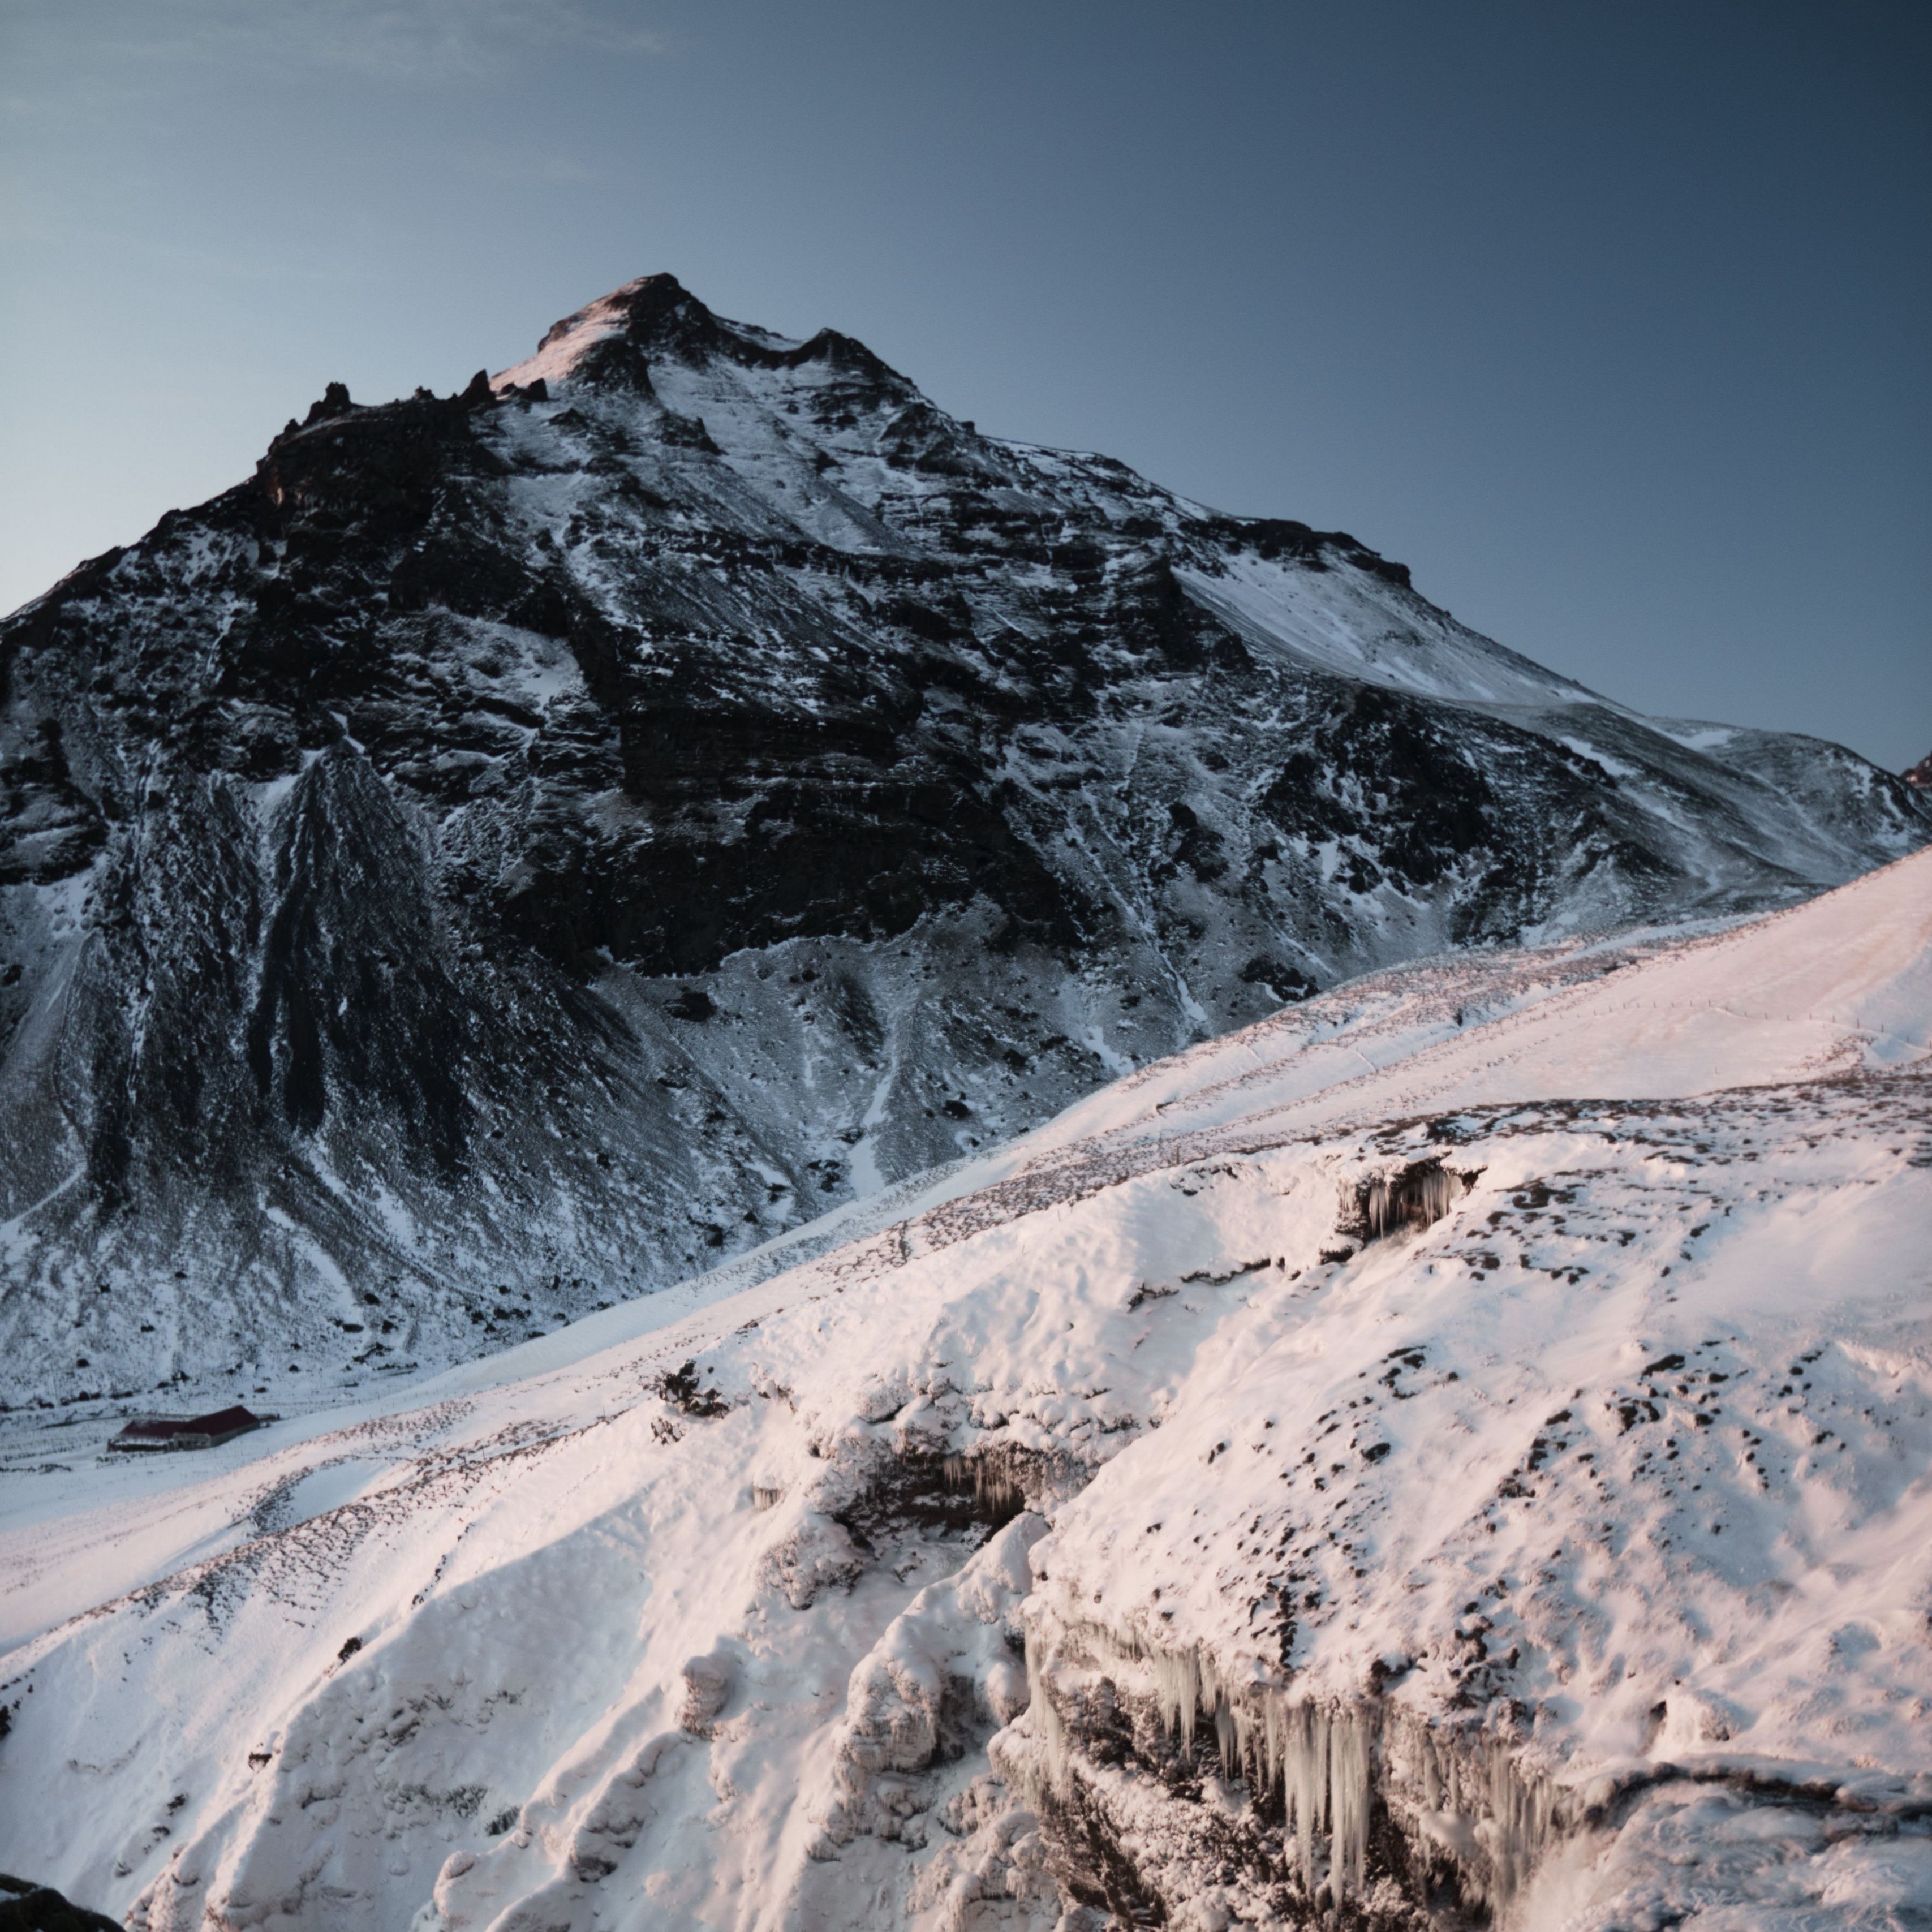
column 1454, row 1450
column 520, row 846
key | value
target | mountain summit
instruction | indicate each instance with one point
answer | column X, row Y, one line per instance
column 610, row 341
column 519, row 848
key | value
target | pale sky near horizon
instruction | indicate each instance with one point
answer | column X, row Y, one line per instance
column 1610, row 321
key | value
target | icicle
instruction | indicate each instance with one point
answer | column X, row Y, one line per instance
column 1348, row 1802
column 1054, row 1744
column 1304, row 1781
column 1253, row 1715
column 1274, row 1737
column 1177, row 1676
column 1525, row 1811
column 1227, row 1735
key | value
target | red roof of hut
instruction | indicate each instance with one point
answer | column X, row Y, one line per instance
column 187, row 1432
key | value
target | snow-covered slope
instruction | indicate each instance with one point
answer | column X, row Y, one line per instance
column 1458, row 1447
column 519, row 848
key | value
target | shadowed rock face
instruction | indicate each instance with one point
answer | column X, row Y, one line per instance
column 27, row 1907
column 518, row 849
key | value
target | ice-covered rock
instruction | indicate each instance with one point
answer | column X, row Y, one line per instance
column 707, row 1684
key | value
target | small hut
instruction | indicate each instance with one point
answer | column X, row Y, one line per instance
column 188, row 1431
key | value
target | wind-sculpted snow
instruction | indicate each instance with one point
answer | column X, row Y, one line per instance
column 521, row 847
column 1453, row 1453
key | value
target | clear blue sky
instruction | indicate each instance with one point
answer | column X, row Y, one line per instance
column 1610, row 319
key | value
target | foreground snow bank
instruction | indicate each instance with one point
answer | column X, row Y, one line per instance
column 1458, row 1447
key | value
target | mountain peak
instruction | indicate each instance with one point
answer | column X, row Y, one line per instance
column 607, row 340
column 644, row 309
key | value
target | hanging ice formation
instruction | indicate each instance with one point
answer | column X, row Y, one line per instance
column 1412, row 1196
column 1328, row 1760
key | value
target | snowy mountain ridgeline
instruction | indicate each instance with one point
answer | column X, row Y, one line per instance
column 1452, row 1453
column 520, row 848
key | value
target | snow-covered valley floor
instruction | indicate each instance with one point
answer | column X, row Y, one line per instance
column 1457, row 1450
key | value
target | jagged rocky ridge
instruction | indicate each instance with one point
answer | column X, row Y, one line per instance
column 1450, row 1454
column 520, row 848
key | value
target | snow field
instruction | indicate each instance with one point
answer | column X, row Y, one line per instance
column 1119, row 1521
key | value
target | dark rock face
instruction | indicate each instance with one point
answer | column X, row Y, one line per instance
column 1920, row 776
column 27, row 1907
column 519, row 848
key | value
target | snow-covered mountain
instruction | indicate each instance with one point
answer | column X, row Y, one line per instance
column 519, row 847
column 1453, row 1452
